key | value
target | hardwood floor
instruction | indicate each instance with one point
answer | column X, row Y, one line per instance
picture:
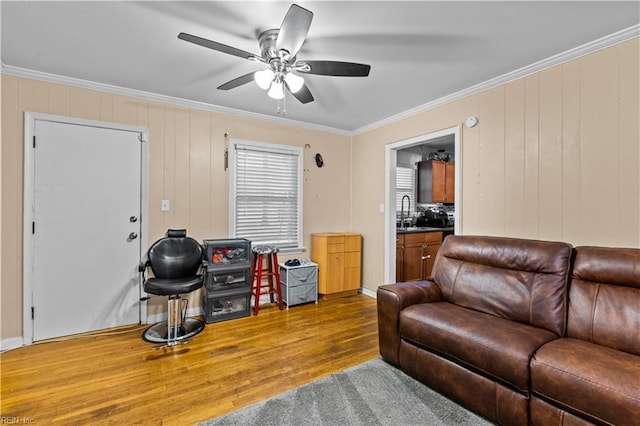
column 120, row 379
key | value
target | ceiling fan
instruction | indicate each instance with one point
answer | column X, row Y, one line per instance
column 279, row 48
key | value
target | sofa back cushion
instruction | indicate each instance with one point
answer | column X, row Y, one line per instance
column 604, row 297
column 517, row 279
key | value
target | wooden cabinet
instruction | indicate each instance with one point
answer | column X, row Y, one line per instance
column 339, row 257
column 399, row 258
column 449, row 183
column 436, row 182
column 415, row 254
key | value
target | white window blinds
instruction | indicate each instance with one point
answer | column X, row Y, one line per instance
column 405, row 185
column 266, row 194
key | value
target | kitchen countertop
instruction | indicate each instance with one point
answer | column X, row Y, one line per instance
column 416, row 229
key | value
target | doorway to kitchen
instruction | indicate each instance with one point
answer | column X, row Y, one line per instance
column 424, row 144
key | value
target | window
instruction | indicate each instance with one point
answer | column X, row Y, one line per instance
column 265, row 194
column 405, row 185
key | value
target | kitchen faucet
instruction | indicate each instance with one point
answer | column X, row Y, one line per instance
column 402, row 209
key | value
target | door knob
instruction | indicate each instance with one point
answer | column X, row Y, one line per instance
column 133, row 236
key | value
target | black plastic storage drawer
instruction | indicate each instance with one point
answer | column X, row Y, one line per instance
column 224, row 253
column 226, row 305
column 230, row 278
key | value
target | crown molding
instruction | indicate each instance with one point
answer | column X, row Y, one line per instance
column 91, row 85
column 585, row 49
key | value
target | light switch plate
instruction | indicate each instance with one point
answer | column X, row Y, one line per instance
column 164, row 205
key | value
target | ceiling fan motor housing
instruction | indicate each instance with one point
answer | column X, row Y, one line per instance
column 267, row 40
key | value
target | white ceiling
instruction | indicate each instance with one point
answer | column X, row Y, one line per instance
column 419, row 51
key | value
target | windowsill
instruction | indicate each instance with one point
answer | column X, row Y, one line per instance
column 293, row 250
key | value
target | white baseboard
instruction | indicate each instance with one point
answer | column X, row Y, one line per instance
column 11, row 343
column 368, row 292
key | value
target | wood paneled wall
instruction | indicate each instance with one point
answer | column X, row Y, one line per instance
column 556, row 155
column 185, row 165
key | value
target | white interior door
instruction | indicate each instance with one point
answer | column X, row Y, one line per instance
column 86, row 228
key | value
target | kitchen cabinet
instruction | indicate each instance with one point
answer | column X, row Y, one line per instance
column 449, row 183
column 399, row 257
column 436, row 182
column 415, row 253
column 339, row 257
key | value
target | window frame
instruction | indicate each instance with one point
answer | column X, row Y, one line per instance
column 233, row 178
column 402, row 190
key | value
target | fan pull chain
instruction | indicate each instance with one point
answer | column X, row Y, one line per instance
column 282, row 111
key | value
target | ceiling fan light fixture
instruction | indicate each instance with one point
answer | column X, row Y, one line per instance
column 264, row 78
column 279, row 49
column 276, row 91
column 294, row 82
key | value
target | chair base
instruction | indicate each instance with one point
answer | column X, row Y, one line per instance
column 159, row 332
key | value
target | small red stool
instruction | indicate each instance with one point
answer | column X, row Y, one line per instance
column 271, row 273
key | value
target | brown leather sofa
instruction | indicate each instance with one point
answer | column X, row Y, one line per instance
column 593, row 373
column 490, row 330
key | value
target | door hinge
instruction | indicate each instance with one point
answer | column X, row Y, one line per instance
column 226, row 159
column 34, row 141
column 141, row 137
column 33, row 227
column 33, row 312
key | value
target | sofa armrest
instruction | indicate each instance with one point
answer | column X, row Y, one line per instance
column 391, row 300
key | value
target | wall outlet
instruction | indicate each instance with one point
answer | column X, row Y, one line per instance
column 164, row 205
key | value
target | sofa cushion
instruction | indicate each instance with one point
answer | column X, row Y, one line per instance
column 517, row 279
column 475, row 340
column 604, row 298
column 588, row 379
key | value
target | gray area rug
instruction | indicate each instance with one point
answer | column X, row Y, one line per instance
column 372, row 393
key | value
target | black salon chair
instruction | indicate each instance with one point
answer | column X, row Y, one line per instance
column 175, row 262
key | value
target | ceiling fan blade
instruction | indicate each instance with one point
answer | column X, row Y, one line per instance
column 216, row 46
column 247, row 78
column 335, row 68
column 294, row 29
column 303, row 95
